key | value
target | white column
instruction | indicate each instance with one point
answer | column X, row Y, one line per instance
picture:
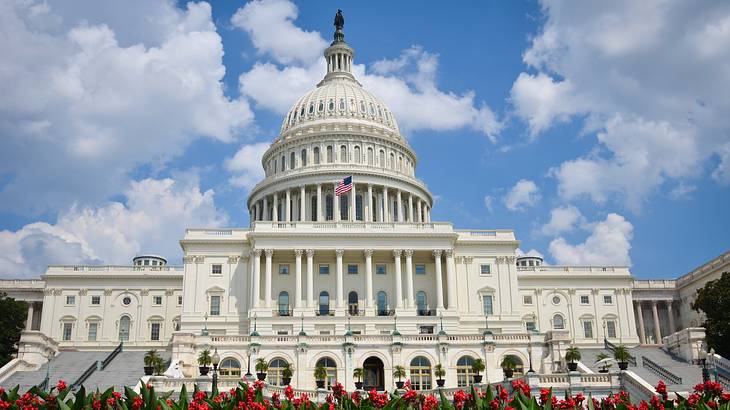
column 310, row 278
column 288, row 206
column 439, row 279
column 335, row 204
column 398, row 280
column 418, row 210
column 267, row 278
column 368, row 277
column 275, row 211
column 386, row 213
column 379, row 199
column 302, row 203
column 340, row 286
column 266, row 208
column 428, row 213
column 399, row 207
column 298, row 278
column 353, row 203
column 450, row 278
column 257, row 278
column 320, row 217
column 29, row 319
column 670, row 312
column 410, row 208
column 642, row 329
column 368, row 208
column 409, row 278
column 657, row 329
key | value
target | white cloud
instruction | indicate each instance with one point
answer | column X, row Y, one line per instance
column 531, row 252
column 94, row 90
column 562, row 219
column 648, row 76
column 524, row 194
column 152, row 220
column 245, row 165
column 489, row 202
column 722, row 172
column 608, row 244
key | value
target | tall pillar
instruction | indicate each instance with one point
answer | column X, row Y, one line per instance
column 310, row 278
column 439, row 280
column 335, row 204
column 29, row 320
column 657, row 329
column 386, row 212
column 379, row 205
column 298, row 278
column 450, row 278
column 353, row 203
column 410, row 208
column 670, row 313
column 419, row 212
column 400, row 206
column 368, row 278
column 642, row 329
column 340, row 279
column 302, row 203
column 369, row 205
column 288, row 206
column 267, row 278
column 409, row 278
column 275, row 210
column 398, row 280
column 320, row 217
column 257, row 278
column 264, row 217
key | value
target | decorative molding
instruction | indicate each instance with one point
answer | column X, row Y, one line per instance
column 108, row 292
column 339, row 252
column 144, row 292
column 83, row 292
column 310, row 253
column 269, row 252
column 169, row 292
column 397, row 253
column 368, row 253
column 449, row 253
column 408, row 253
column 257, row 253
column 188, row 259
column 437, row 253
column 298, row 252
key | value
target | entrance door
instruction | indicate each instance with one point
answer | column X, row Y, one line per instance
column 374, row 374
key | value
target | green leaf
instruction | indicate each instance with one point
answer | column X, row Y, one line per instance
column 590, row 403
column 80, row 401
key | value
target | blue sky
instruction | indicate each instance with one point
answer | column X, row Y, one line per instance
column 598, row 131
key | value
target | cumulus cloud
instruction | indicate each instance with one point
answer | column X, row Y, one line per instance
column 524, row 194
column 489, row 202
column 562, row 219
column 152, row 219
column 646, row 77
column 609, row 243
column 93, row 90
column 245, row 165
column 532, row 252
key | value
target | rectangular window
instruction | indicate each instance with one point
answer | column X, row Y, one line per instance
column 93, row 327
column 215, row 305
column 611, row 329
column 67, row 328
column 324, row 269
column 282, row 332
column 420, row 269
column 588, row 329
column 216, row 269
column 157, row 300
column 96, row 300
column 530, row 326
column 179, row 300
column 155, row 331
column 485, row 270
column 70, row 300
column 607, row 300
column 283, row 269
column 526, row 299
column 584, row 300
column 380, row 269
column 425, row 330
column 487, row 301
column 352, row 269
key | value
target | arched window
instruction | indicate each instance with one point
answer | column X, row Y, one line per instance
column 392, row 161
column 421, row 303
column 342, row 104
column 344, row 207
column 358, row 207
column 343, row 153
column 329, row 212
column 362, row 107
column 357, row 158
column 382, row 158
column 558, row 322
column 314, row 208
column 303, row 156
column 382, row 303
column 400, row 164
column 329, row 154
column 276, row 166
column 292, row 161
column 375, row 208
column 396, row 214
column 274, row 375
column 284, row 303
column 124, row 325
column 420, row 373
column 371, row 158
column 324, row 303
column 230, row 367
column 352, row 303
column 283, row 163
column 464, row 373
column 331, row 367
column 311, row 108
column 316, row 155
column 321, row 106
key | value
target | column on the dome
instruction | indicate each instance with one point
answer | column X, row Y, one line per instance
column 399, row 206
column 368, row 216
column 428, row 214
column 368, row 278
column 267, row 278
column 386, row 213
column 266, row 207
column 410, row 207
column 409, row 278
column 320, row 218
column 418, row 210
column 379, row 200
column 302, row 203
column 250, row 303
column 439, row 279
column 310, row 278
column 257, row 278
column 335, row 203
column 450, row 279
column 398, row 279
column 275, row 210
column 340, row 286
column 288, row 206
column 298, row 278
column 353, row 204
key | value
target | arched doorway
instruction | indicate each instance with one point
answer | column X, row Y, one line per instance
column 374, row 374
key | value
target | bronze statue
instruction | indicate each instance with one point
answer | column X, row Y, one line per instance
column 339, row 20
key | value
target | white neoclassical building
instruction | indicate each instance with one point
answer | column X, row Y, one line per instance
column 364, row 279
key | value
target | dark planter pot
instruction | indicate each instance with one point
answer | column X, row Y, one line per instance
column 623, row 365
column 440, row 382
column 477, row 378
column 286, row 380
column 203, row 370
column 508, row 373
column 261, row 376
column 399, row 385
column 148, row 370
column 572, row 366
column 358, row 385
column 603, row 371
column 320, row 384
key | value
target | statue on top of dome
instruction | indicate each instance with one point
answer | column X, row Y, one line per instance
column 339, row 23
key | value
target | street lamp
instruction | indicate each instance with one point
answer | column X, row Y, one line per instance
column 248, row 374
column 703, row 364
column 215, row 360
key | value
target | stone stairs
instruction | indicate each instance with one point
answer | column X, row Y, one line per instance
column 66, row 366
column 125, row 370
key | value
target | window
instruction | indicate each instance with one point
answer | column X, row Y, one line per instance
column 380, row 269
column 487, row 302
column 216, row 269
column 358, row 208
column 464, row 373
column 352, row 269
column 588, row 329
column 382, row 158
column 93, row 327
column 292, row 161
column 331, row 105
column 284, row 304
column 157, row 300
column 607, row 300
column 526, row 299
column 324, row 269
column 314, row 208
column 126, row 300
column 96, row 300
column 283, row 163
column 556, row 300
column 67, row 328
column 283, row 269
column 343, row 153
column 230, row 367
column 304, row 157
column 328, row 204
column 342, row 104
column 215, row 305
column 421, row 303
column 420, row 373
column 382, row 303
column 420, row 269
column 371, row 158
column 392, row 161
column 344, row 207
column 316, row 155
column 425, row 330
column 275, row 374
column 485, row 270
column 558, row 322
column 321, row 106
column 179, row 300
column 155, row 331
column 329, row 154
column 530, row 326
column 324, row 303
column 70, row 300
column 357, row 156
column 611, row 329
column 352, row 303
column 584, row 300
column 124, row 325
column 146, row 262
column 331, row 368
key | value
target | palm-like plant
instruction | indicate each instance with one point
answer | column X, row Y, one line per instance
column 358, row 373
column 478, row 366
column 604, row 365
column 439, row 371
column 150, row 357
column 622, row 356
column 287, row 371
column 204, row 358
column 399, row 372
column 508, row 363
column 261, row 365
column 572, row 354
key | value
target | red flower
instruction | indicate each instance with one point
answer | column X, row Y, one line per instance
column 544, row 393
column 111, row 401
column 61, row 385
column 4, row 404
column 199, row 395
column 699, row 388
column 712, row 404
column 137, row 402
column 725, row 397
column 289, row 392
column 258, row 385
column 503, row 394
column 430, row 402
column 693, row 398
column 410, row 395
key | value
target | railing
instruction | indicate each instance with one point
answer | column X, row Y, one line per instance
column 111, row 356
column 324, row 312
column 660, row 371
column 283, row 312
column 109, row 268
column 85, row 375
column 612, row 347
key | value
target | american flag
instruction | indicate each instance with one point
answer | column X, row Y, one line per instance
column 344, row 186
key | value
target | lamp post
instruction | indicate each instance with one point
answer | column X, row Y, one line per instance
column 248, row 375
column 215, row 360
column 204, row 332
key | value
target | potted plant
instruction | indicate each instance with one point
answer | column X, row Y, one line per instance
column 204, row 360
column 622, row 356
column 261, row 368
column 572, row 356
column 399, row 372
column 439, row 372
column 150, row 358
column 320, row 375
column 477, row 367
column 286, row 374
column 605, row 364
column 358, row 373
column 159, row 366
column 509, row 364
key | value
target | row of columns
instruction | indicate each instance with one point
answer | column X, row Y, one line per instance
column 655, row 317
column 309, row 302
column 416, row 209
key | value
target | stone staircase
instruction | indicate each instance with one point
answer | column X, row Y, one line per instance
column 125, row 370
column 66, row 366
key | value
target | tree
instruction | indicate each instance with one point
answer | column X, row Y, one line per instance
column 12, row 321
column 714, row 301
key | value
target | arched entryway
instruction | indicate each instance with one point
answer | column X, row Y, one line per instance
column 374, row 374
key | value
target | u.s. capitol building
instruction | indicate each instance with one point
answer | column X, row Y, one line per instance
column 365, row 279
